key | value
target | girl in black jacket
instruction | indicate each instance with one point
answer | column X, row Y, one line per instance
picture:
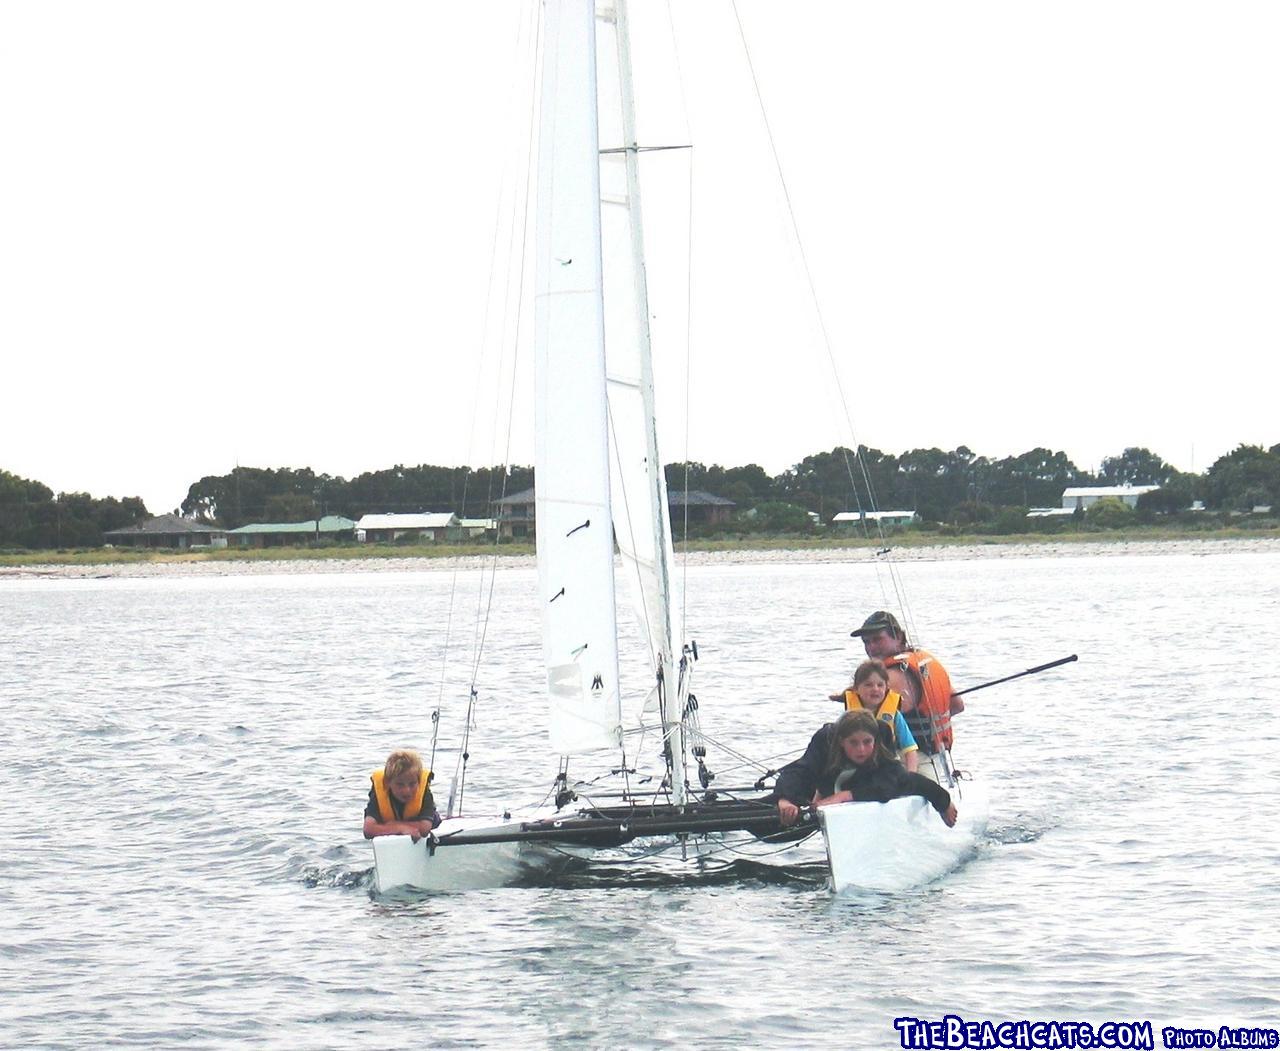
column 861, row 768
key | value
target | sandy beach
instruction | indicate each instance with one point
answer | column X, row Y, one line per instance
column 939, row 553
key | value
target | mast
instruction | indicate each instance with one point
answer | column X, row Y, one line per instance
column 574, row 520
column 641, row 513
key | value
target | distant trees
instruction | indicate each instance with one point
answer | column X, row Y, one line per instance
column 1110, row 513
column 955, row 489
column 254, row 494
column 1177, row 495
column 775, row 516
column 1031, row 479
column 1135, row 466
column 1245, row 478
column 32, row 517
column 746, row 486
column 243, row 495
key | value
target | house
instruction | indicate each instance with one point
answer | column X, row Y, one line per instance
column 167, row 531
column 281, row 534
column 471, row 528
column 849, row 519
column 430, row 526
column 699, row 508
column 516, row 514
column 1084, row 496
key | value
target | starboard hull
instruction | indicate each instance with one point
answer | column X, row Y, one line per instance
column 895, row 846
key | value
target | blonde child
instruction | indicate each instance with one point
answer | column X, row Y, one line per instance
column 400, row 802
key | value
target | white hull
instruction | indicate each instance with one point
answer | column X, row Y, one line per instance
column 401, row 863
column 875, row 847
column 901, row 844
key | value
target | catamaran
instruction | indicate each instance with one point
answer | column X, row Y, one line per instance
column 600, row 483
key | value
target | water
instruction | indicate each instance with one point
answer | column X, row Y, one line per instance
column 184, row 764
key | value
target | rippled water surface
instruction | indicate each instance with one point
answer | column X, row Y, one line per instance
column 184, row 762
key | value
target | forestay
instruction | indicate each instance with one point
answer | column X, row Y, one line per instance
column 574, row 520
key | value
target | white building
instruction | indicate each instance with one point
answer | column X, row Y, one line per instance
column 888, row 517
column 432, row 526
column 1084, row 496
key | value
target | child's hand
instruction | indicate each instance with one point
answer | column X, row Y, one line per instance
column 950, row 816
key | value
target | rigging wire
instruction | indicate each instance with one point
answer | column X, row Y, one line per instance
column 520, row 224
column 894, row 576
column 483, row 344
column 682, row 96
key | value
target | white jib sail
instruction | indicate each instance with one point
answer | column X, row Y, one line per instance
column 641, row 517
column 574, row 521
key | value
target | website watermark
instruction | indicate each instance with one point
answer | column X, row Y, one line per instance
column 954, row 1032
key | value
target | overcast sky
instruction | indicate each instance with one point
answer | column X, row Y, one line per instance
column 264, row 233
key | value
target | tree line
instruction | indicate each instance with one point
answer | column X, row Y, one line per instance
column 954, row 488
column 32, row 517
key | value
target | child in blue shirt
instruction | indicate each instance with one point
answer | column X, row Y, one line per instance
column 871, row 692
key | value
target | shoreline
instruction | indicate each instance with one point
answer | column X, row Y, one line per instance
column 259, row 566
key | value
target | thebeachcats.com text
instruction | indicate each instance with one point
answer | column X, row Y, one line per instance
column 954, row 1032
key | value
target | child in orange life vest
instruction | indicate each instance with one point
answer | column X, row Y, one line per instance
column 871, row 691
column 400, row 802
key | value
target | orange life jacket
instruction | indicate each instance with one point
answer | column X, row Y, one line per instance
column 930, row 722
column 411, row 809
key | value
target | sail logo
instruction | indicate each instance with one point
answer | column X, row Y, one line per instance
column 597, row 686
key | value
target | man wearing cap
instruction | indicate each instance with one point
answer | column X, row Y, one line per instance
column 928, row 702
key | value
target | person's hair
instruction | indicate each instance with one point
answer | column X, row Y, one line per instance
column 402, row 762
column 858, row 721
column 869, row 668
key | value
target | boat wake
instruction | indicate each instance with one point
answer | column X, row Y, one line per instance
column 338, row 876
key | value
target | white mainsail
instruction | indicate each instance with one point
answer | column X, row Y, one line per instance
column 574, row 519
column 641, row 519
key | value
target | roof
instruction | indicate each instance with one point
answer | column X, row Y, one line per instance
column 162, row 524
column 871, row 516
column 525, row 496
column 697, row 498
column 328, row 524
column 693, row 498
column 1108, row 490
column 429, row 520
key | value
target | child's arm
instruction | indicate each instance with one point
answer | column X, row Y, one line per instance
column 938, row 796
column 908, row 749
column 414, row 829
